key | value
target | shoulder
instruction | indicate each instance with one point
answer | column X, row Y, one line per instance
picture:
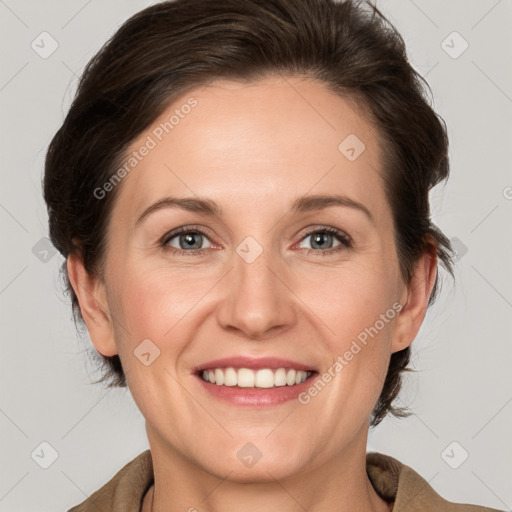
column 124, row 492
column 395, row 481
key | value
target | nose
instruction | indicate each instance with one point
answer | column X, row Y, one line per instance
column 257, row 300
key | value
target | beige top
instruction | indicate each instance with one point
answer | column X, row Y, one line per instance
column 392, row 480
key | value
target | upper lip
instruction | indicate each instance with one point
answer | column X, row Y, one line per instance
column 253, row 363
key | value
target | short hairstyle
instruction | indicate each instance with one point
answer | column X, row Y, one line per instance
column 174, row 46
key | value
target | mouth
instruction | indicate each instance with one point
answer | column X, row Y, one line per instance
column 263, row 378
column 254, row 382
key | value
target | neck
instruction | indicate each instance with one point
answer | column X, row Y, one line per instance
column 341, row 484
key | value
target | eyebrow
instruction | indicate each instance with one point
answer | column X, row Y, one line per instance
column 211, row 208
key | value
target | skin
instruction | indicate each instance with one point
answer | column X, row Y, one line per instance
column 254, row 149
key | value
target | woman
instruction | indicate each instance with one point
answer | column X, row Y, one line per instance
column 240, row 190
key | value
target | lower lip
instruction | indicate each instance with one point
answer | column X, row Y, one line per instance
column 256, row 397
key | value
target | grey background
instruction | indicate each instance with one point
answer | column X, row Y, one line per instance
column 462, row 390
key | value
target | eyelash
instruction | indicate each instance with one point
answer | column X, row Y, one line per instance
column 346, row 241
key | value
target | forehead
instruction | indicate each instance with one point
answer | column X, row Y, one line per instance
column 272, row 139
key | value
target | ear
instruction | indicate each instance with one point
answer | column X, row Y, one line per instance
column 415, row 300
column 92, row 297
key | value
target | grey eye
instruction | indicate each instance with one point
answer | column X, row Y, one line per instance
column 190, row 240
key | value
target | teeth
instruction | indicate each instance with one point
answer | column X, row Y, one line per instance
column 246, row 378
column 264, row 379
column 230, row 377
column 219, row 377
column 280, row 377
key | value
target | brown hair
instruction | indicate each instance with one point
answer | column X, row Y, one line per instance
column 173, row 46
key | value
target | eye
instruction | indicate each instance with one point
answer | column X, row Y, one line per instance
column 186, row 240
column 326, row 241
column 191, row 241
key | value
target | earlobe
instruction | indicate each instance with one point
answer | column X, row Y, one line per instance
column 415, row 301
column 90, row 291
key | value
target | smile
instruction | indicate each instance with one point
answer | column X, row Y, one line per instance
column 262, row 378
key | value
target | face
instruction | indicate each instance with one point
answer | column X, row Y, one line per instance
column 290, row 263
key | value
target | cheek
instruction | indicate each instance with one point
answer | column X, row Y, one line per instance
column 350, row 298
column 145, row 308
column 356, row 309
column 150, row 311
column 152, row 303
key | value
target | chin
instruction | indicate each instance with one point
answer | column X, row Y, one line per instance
column 248, row 464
